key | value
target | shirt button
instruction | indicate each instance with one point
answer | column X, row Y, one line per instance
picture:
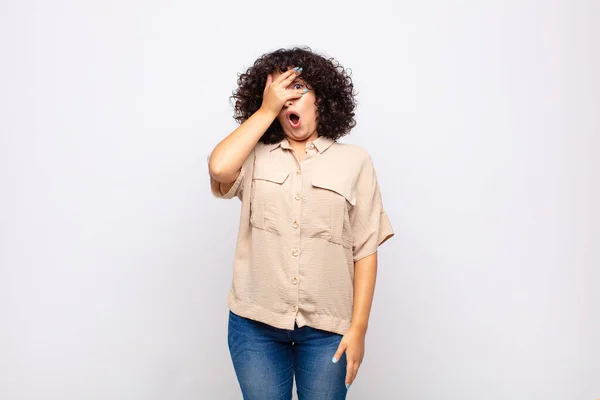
column 294, row 280
column 297, row 196
column 298, row 172
column 295, row 253
column 295, row 308
column 295, row 225
column 310, row 145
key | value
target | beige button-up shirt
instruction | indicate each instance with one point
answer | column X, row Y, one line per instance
column 303, row 225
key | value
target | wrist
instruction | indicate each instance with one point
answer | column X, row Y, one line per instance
column 267, row 112
column 359, row 327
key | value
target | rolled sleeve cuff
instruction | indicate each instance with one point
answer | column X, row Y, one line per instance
column 215, row 185
column 383, row 232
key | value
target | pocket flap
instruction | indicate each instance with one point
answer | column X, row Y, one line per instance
column 342, row 188
column 270, row 173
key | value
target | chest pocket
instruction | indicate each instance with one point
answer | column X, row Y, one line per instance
column 267, row 209
column 331, row 202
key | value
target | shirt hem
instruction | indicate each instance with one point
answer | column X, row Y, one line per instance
column 255, row 312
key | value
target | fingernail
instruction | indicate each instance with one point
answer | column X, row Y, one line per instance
column 300, row 69
column 347, row 386
column 334, row 359
column 305, row 90
column 296, row 68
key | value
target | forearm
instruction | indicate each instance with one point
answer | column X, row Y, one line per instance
column 228, row 156
column 365, row 273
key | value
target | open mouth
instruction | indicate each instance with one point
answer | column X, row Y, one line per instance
column 294, row 119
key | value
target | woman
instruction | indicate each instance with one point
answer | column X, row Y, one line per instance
column 311, row 221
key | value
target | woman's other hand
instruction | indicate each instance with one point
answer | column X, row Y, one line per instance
column 353, row 344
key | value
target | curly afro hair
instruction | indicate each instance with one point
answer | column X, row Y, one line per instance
column 332, row 85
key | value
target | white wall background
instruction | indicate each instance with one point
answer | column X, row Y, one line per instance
column 482, row 118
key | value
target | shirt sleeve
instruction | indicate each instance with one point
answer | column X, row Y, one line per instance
column 368, row 219
column 235, row 190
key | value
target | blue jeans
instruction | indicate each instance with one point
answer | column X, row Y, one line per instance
column 266, row 359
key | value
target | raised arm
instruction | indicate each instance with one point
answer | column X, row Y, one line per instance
column 226, row 159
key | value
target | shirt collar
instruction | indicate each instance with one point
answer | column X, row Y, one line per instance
column 321, row 143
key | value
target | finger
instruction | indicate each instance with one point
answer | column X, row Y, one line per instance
column 348, row 378
column 290, row 72
column 351, row 372
column 295, row 94
column 288, row 81
column 338, row 354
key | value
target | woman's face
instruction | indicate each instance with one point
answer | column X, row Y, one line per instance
column 298, row 117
